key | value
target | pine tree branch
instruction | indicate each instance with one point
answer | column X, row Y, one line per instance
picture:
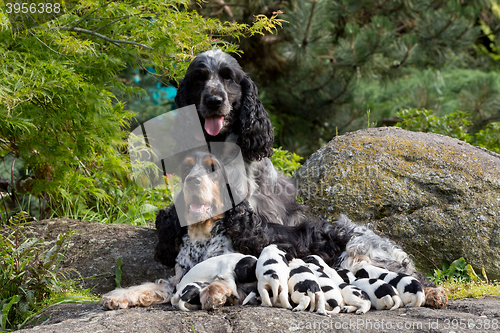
column 465, row 30
column 353, row 53
column 450, row 21
column 376, row 7
column 334, row 99
column 354, row 116
column 304, row 41
column 330, row 78
column 408, row 50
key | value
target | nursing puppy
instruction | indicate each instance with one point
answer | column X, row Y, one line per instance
column 382, row 295
column 346, row 275
column 410, row 290
column 355, row 299
column 190, row 296
column 272, row 274
column 304, row 288
column 222, row 272
column 333, row 296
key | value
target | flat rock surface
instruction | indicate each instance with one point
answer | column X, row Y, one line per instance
column 437, row 196
column 467, row 315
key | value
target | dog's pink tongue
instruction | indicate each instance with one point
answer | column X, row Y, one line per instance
column 213, row 125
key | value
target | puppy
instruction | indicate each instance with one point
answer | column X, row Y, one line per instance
column 346, row 275
column 355, row 299
column 333, row 296
column 272, row 273
column 304, row 288
column 382, row 295
column 223, row 271
column 190, row 296
column 410, row 290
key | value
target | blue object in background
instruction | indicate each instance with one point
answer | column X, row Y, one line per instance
column 170, row 91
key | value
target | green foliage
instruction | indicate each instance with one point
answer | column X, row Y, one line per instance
column 457, row 125
column 489, row 137
column 285, row 161
column 28, row 274
column 59, row 113
column 453, row 125
column 458, row 271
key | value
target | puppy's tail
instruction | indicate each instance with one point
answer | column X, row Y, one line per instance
column 275, row 287
column 250, row 296
column 397, row 302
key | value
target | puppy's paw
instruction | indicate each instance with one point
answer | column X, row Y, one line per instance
column 435, row 297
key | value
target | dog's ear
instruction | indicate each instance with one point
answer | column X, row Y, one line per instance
column 256, row 131
column 181, row 98
column 170, row 235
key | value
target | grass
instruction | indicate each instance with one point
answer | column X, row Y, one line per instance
column 460, row 289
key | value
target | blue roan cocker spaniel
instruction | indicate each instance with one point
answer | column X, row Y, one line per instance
column 230, row 111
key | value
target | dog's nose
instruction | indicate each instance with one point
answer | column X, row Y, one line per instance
column 193, row 181
column 213, row 102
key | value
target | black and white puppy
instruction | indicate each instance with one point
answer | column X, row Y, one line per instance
column 333, row 296
column 346, row 275
column 355, row 299
column 272, row 273
column 382, row 295
column 410, row 290
column 190, row 296
column 222, row 272
column 304, row 288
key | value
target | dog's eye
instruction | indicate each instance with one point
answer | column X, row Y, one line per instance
column 226, row 74
column 209, row 164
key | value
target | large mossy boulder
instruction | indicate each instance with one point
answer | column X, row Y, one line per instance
column 438, row 196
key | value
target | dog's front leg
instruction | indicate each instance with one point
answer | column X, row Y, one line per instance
column 145, row 294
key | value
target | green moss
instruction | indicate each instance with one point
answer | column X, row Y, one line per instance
column 458, row 290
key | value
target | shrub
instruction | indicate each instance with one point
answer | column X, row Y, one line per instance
column 285, row 161
column 457, row 124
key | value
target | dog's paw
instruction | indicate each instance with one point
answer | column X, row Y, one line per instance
column 113, row 301
column 435, row 297
column 215, row 295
